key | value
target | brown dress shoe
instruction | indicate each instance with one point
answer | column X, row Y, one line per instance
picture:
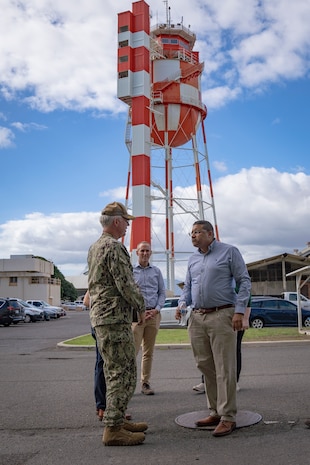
column 211, row 420
column 224, row 428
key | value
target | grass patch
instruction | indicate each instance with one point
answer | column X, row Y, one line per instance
column 180, row 336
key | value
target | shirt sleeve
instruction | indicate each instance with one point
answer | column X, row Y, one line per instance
column 161, row 291
column 122, row 272
column 242, row 279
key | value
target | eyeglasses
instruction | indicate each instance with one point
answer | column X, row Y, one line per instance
column 196, row 233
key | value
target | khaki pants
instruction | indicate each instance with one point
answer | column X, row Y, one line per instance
column 146, row 334
column 213, row 342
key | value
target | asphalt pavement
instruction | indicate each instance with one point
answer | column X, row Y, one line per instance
column 47, row 410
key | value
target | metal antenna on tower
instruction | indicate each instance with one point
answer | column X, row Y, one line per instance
column 167, row 8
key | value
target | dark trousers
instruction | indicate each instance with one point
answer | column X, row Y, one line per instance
column 239, row 356
column 99, row 380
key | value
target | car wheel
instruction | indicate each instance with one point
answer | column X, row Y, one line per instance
column 257, row 323
column 27, row 319
column 307, row 322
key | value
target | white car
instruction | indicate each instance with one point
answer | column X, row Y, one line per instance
column 168, row 313
column 73, row 306
column 44, row 305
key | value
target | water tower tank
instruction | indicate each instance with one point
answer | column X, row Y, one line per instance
column 175, row 85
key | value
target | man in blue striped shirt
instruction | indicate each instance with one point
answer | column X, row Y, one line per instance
column 213, row 272
column 151, row 283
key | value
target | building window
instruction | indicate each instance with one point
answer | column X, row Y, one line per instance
column 123, row 28
column 13, row 281
column 123, row 43
column 123, row 74
column 123, row 59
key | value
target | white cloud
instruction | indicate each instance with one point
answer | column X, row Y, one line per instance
column 24, row 127
column 62, row 55
column 262, row 211
column 219, row 96
column 6, row 137
column 62, row 238
column 117, row 193
column 220, row 166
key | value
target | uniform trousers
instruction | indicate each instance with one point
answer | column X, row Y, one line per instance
column 146, row 334
column 213, row 341
column 116, row 345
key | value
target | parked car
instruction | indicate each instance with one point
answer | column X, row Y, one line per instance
column 62, row 311
column 292, row 297
column 49, row 314
column 10, row 312
column 73, row 306
column 168, row 313
column 55, row 312
column 32, row 314
column 276, row 312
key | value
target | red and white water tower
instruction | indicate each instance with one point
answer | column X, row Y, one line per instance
column 169, row 175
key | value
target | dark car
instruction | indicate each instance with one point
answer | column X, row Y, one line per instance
column 32, row 314
column 10, row 312
column 276, row 312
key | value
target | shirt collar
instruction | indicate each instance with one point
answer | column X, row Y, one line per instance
column 210, row 248
column 143, row 267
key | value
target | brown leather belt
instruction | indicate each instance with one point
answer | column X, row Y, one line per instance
column 203, row 311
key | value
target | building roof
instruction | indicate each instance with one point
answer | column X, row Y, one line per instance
column 294, row 259
column 304, row 271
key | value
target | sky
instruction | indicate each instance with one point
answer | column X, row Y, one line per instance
column 62, row 128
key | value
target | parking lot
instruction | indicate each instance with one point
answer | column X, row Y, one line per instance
column 47, row 413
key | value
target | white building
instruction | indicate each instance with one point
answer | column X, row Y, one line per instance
column 28, row 277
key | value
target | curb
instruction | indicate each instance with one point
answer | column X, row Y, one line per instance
column 63, row 344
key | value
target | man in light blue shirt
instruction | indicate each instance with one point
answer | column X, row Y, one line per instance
column 214, row 271
column 151, row 283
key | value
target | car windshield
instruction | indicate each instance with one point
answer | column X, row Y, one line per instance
column 25, row 304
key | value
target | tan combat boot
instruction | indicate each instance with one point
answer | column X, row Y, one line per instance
column 118, row 436
column 134, row 427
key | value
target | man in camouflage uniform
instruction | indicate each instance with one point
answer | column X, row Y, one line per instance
column 114, row 295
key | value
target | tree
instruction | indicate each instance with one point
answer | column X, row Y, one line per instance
column 67, row 290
